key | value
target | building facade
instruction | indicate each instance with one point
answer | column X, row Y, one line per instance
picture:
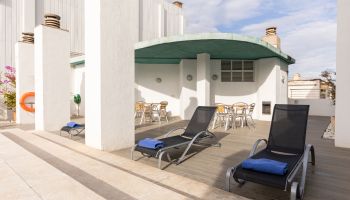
column 157, row 19
column 299, row 88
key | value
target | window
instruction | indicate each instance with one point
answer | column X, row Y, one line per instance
column 237, row 71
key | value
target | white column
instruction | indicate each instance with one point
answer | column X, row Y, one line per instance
column 160, row 20
column 111, row 31
column 52, row 78
column 203, row 79
column 24, row 62
column 28, row 15
column 342, row 110
column 188, row 95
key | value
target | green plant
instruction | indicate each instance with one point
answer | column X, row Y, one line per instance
column 77, row 100
column 329, row 77
column 10, row 100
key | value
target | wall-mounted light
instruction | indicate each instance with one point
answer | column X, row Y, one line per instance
column 283, row 79
column 158, row 80
column 214, row 77
column 189, row 77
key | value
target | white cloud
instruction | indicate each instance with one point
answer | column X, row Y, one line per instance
column 307, row 34
column 206, row 16
column 307, row 28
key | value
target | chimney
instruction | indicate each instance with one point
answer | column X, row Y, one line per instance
column 272, row 38
column 178, row 4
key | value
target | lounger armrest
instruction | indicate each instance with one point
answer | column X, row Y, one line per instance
column 170, row 132
column 255, row 146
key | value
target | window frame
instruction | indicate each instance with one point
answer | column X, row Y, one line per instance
column 242, row 71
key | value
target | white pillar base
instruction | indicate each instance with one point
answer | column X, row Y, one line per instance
column 24, row 62
column 52, row 78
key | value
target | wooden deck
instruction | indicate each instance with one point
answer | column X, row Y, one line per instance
column 329, row 179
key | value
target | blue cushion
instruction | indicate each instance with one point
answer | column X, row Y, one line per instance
column 72, row 124
column 266, row 166
column 151, row 143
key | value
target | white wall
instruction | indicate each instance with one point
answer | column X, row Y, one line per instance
column 342, row 136
column 318, row 107
column 149, row 90
column 188, row 88
column 231, row 92
column 77, row 87
column 269, row 85
column 9, row 31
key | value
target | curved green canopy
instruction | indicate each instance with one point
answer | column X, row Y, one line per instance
column 170, row 50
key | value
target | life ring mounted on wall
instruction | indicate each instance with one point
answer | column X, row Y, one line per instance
column 23, row 103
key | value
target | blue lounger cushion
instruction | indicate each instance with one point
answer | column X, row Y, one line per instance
column 266, row 166
column 151, row 143
column 72, row 124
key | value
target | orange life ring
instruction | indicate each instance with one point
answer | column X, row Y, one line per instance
column 23, row 103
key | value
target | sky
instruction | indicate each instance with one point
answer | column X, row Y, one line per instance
column 307, row 28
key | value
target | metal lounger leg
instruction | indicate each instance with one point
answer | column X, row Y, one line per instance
column 184, row 153
column 297, row 190
column 294, row 191
column 160, row 159
column 229, row 174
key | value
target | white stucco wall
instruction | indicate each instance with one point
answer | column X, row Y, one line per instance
column 77, row 87
column 25, row 80
column 318, row 107
column 182, row 93
column 149, row 90
column 342, row 136
column 110, row 73
column 230, row 92
column 51, row 78
column 269, row 87
column 188, row 88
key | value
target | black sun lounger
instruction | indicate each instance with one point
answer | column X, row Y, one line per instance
column 286, row 144
column 73, row 131
column 194, row 133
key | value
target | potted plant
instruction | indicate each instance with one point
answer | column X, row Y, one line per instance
column 77, row 101
column 8, row 90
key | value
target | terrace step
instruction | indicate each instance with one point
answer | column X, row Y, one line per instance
column 104, row 174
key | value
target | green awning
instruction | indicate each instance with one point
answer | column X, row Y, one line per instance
column 170, row 50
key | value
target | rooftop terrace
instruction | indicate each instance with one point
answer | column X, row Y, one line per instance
column 327, row 180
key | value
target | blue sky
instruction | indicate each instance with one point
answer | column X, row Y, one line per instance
column 307, row 28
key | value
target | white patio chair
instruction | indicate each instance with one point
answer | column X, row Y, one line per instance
column 221, row 115
column 139, row 110
column 163, row 114
column 239, row 112
column 249, row 115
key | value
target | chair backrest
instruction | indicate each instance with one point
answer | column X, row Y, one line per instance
column 251, row 109
column 220, row 108
column 240, row 108
column 200, row 120
column 288, row 128
column 147, row 107
column 139, row 106
column 163, row 105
